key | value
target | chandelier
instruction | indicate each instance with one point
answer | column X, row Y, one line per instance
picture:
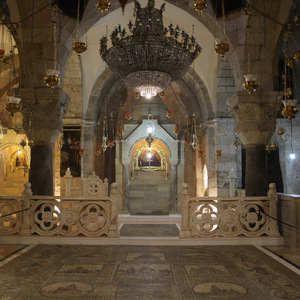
column 151, row 55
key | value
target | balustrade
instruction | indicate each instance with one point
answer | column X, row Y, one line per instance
column 228, row 217
column 52, row 215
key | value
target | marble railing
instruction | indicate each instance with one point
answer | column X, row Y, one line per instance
column 228, row 217
column 66, row 216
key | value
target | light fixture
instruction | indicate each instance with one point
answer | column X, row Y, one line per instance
column 194, row 133
column 200, row 5
column 290, row 91
column 250, row 83
column 151, row 55
column 236, row 142
column 177, row 130
column 103, row 5
column 52, row 79
column 222, row 48
column 292, row 156
column 168, row 114
column 149, row 155
column 78, row 47
column 150, row 131
column 13, row 105
column 280, row 131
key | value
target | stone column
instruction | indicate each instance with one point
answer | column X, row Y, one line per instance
column 255, row 118
column 88, row 144
column 173, row 192
column 42, row 121
column 125, row 206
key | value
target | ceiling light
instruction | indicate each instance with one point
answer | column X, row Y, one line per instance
column 150, row 56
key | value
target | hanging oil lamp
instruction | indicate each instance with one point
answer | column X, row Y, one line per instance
column 98, row 151
column 78, row 47
column 103, row 5
column 120, row 132
column 168, row 114
column 222, row 48
column 52, row 79
column 177, row 130
column 199, row 5
column 219, row 153
column 128, row 116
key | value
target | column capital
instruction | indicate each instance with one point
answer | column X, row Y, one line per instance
column 43, row 111
column 255, row 116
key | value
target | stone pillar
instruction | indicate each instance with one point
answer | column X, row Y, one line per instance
column 185, row 199
column 114, row 198
column 88, row 144
column 125, row 205
column 42, row 112
column 27, row 193
column 255, row 118
column 173, row 192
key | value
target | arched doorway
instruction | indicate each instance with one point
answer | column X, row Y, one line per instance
column 150, row 183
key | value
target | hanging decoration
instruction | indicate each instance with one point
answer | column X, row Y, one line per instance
column 222, row 48
column 219, row 153
column 123, row 4
column 13, row 105
column 250, row 83
column 200, row 5
column 289, row 87
column 128, row 116
column 168, row 114
column 78, row 47
column 103, row 5
column 193, row 133
column 151, row 55
column 81, row 152
column 120, row 132
column 201, row 153
column 186, row 145
column 104, row 145
column 177, row 130
column 150, row 131
column 98, row 151
column 280, row 131
column 52, row 79
column 236, row 142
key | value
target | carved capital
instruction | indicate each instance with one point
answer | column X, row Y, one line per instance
column 42, row 116
column 255, row 116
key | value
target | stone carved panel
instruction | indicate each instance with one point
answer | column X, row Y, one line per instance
column 10, row 223
column 70, row 217
column 94, row 187
column 229, row 218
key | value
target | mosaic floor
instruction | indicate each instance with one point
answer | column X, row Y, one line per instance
column 143, row 272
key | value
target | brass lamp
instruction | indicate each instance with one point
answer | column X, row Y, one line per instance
column 13, row 104
column 52, row 78
column 250, row 84
column 289, row 109
column 103, row 5
column 199, row 5
column 222, row 49
column 78, row 47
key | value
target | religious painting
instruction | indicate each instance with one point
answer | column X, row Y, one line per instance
column 147, row 160
column 70, row 157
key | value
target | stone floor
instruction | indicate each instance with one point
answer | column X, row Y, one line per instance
column 146, row 272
